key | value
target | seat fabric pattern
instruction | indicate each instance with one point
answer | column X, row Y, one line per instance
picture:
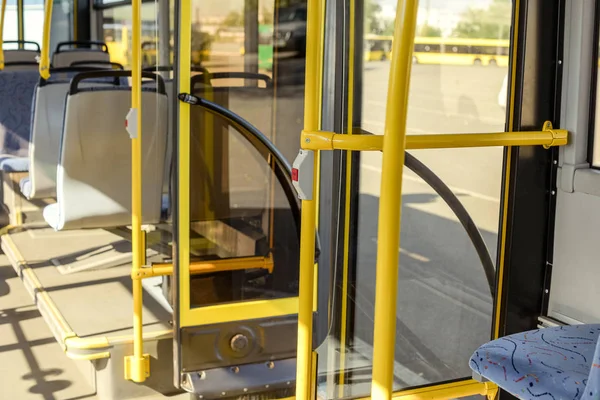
column 553, row 363
column 16, row 99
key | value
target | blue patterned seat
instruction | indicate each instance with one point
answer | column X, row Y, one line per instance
column 560, row 363
column 16, row 100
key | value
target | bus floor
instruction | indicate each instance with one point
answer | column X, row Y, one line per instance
column 32, row 364
column 93, row 304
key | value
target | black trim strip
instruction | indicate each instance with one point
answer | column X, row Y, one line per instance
column 160, row 84
column 594, row 88
column 207, row 77
column 87, row 44
column 22, row 42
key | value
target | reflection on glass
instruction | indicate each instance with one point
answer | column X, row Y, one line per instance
column 116, row 32
column 444, row 304
column 248, row 58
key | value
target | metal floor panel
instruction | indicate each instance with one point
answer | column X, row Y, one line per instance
column 94, row 302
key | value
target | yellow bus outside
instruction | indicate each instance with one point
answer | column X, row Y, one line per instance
column 118, row 37
column 437, row 50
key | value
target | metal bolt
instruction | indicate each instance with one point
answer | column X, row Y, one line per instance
column 555, row 162
column 307, row 140
column 202, row 375
column 547, row 291
column 239, row 342
column 245, row 389
column 223, row 393
column 270, row 365
column 553, row 192
column 266, row 386
column 235, row 370
column 559, row 62
column 288, row 383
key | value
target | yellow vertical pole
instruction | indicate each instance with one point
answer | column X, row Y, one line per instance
column 137, row 367
column 44, row 67
column 390, row 202
column 21, row 21
column 183, row 156
column 304, row 362
column 2, row 12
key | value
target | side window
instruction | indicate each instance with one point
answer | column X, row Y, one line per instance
column 62, row 24
column 10, row 31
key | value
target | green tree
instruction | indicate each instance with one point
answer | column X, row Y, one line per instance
column 490, row 23
column 233, row 19
column 427, row 30
column 388, row 27
column 371, row 13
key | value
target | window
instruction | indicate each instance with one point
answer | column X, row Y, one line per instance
column 441, row 280
column 10, row 23
column 62, row 26
column 116, row 33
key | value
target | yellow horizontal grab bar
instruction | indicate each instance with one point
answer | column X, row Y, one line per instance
column 205, row 267
column 332, row 141
column 446, row 391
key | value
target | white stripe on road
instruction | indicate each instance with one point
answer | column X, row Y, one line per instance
column 410, row 254
column 456, row 190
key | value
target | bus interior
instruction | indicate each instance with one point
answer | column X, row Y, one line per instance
column 310, row 199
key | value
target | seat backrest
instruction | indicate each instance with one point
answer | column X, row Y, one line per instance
column 65, row 54
column 16, row 99
column 20, row 56
column 94, row 172
column 46, row 132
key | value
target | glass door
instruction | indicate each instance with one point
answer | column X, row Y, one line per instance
column 447, row 273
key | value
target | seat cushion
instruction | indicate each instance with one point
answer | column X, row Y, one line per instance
column 14, row 164
column 552, row 363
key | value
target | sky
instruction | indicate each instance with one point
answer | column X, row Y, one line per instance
column 442, row 13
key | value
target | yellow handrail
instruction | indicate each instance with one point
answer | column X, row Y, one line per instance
column 2, row 12
column 45, row 56
column 547, row 137
column 312, row 96
column 137, row 367
column 390, row 201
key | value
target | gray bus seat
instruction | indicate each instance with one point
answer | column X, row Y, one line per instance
column 21, row 66
column 46, row 131
column 94, row 172
column 66, row 53
column 20, row 58
column 16, row 99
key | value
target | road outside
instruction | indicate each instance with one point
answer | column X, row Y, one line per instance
column 444, row 302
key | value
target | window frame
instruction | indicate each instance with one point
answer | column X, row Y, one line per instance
column 593, row 134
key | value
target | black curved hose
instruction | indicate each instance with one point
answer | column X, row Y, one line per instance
column 461, row 213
